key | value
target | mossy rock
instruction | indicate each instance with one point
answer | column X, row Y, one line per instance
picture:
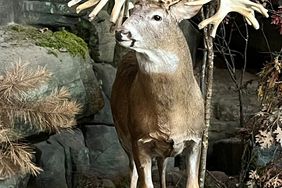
column 59, row 40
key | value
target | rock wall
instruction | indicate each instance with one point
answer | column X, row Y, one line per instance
column 72, row 72
column 6, row 12
column 68, row 159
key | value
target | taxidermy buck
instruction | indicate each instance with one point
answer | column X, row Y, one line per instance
column 157, row 105
column 156, row 102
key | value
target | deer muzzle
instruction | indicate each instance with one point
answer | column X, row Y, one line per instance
column 124, row 38
column 123, row 35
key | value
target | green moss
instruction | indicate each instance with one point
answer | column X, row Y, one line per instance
column 59, row 40
column 62, row 40
column 17, row 28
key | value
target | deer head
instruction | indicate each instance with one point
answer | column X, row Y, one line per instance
column 152, row 30
column 151, row 22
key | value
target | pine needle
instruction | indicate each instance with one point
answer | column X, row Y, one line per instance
column 19, row 80
column 16, row 158
column 50, row 113
column 7, row 135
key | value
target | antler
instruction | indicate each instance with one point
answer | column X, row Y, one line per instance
column 116, row 12
column 243, row 7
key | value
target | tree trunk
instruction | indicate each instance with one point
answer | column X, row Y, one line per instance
column 208, row 40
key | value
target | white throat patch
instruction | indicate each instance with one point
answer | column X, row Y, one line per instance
column 157, row 61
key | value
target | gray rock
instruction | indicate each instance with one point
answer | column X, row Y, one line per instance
column 106, row 38
column 17, row 181
column 225, row 120
column 104, row 116
column 6, row 12
column 54, row 13
column 52, row 161
column 107, row 157
column 106, row 74
column 106, row 183
column 55, row 7
column 227, row 155
column 87, row 30
column 226, row 109
column 225, row 104
column 94, row 181
column 64, row 159
column 221, row 130
column 77, row 154
column 74, row 73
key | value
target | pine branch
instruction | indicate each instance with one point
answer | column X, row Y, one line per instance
column 16, row 158
column 53, row 110
column 49, row 113
column 17, row 81
column 7, row 135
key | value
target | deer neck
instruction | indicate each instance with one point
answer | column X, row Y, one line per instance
column 158, row 62
column 169, row 55
column 171, row 59
column 166, row 73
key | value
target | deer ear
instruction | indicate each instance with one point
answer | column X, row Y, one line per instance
column 183, row 11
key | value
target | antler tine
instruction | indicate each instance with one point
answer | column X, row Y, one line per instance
column 99, row 5
column 243, row 7
column 117, row 10
column 167, row 3
column 120, row 16
column 97, row 9
column 73, row 2
column 86, row 5
column 199, row 2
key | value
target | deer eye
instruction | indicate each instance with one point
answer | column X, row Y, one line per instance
column 157, row 18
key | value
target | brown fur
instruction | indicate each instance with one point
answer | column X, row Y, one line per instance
column 157, row 114
column 153, row 97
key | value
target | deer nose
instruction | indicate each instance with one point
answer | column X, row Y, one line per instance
column 122, row 35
